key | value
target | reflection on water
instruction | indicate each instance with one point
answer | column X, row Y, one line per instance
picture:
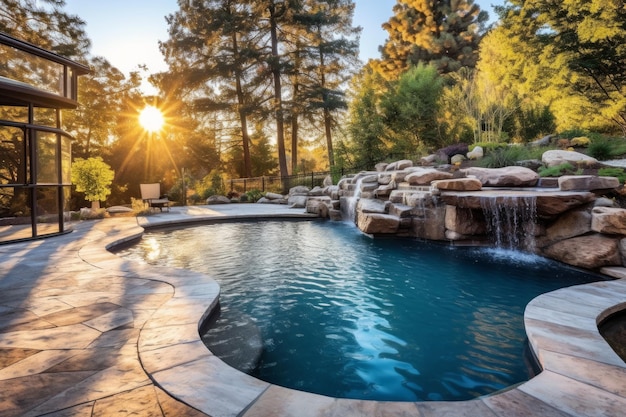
column 347, row 316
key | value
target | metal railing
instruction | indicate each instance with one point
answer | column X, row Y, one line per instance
column 277, row 184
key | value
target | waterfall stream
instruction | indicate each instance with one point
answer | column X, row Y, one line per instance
column 349, row 212
column 511, row 221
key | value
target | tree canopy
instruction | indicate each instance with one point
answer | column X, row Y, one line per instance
column 445, row 34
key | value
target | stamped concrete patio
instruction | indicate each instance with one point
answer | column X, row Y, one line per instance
column 86, row 333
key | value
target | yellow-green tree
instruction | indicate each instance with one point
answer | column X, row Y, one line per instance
column 445, row 34
column 93, row 177
column 366, row 126
column 410, row 109
column 568, row 54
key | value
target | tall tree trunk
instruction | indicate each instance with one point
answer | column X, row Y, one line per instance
column 278, row 103
column 245, row 137
column 294, row 142
column 329, row 137
column 327, row 116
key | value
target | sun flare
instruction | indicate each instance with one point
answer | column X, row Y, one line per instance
column 151, row 119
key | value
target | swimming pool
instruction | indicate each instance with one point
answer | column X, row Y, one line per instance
column 343, row 315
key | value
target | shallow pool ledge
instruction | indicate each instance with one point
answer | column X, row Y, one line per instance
column 582, row 375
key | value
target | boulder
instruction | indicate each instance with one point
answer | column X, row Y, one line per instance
column 297, row 201
column 400, row 176
column 368, row 178
column 217, row 199
column 591, row 252
column 587, row 183
column 399, row 165
column 429, row 160
column 384, row 190
column 400, row 210
column 316, row 191
column 335, row 215
column 511, row 176
column 548, row 203
column 274, row 196
column 457, row 159
column 431, row 225
column 381, row 166
column 571, row 224
column 372, row 206
column 328, row 181
column 608, row 220
column 377, row 223
column 299, row 190
column 465, row 221
column 420, row 200
column 314, row 205
column 344, row 183
column 457, row 184
column 622, row 250
column 368, row 186
column 385, row 178
column 558, row 157
column 426, row 175
column 476, row 153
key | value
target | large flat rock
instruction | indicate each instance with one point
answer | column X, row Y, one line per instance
column 548, row 202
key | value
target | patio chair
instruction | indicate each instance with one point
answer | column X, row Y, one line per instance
column 151, row 195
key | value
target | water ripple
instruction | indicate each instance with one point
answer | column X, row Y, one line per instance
column 347, row 316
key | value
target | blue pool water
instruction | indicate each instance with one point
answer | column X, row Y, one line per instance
column 344, row 315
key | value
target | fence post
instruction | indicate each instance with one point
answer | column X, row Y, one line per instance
column 263, row 183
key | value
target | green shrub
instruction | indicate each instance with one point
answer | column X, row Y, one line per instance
column 557, row 171
column 573, row 133
column 509, row 155
column 616, row 172
column 254, row 195
column 600, row 149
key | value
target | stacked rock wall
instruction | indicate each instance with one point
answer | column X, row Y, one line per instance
column 567, row 221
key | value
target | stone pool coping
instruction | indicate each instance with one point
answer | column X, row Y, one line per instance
column 582, row 375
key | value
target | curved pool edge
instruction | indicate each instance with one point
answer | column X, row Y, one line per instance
column 582, row 375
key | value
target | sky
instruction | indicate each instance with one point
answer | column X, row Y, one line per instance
column 126, row 32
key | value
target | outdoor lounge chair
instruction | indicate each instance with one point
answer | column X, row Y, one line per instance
column 151, row 195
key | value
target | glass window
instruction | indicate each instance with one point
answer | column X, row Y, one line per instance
column 47, row 211
column 47, row 159
column 33, row 70
column 67, row 214
column 12, row 156
column 66, row 160
column 15, row 221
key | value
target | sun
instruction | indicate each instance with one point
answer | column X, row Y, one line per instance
column 151, row 119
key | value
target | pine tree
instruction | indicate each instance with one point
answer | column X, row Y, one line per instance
column 366, row 125
column 332, row 49
column 212, row 53
column 410, row 110
column 443, row 33
column 44, row 23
